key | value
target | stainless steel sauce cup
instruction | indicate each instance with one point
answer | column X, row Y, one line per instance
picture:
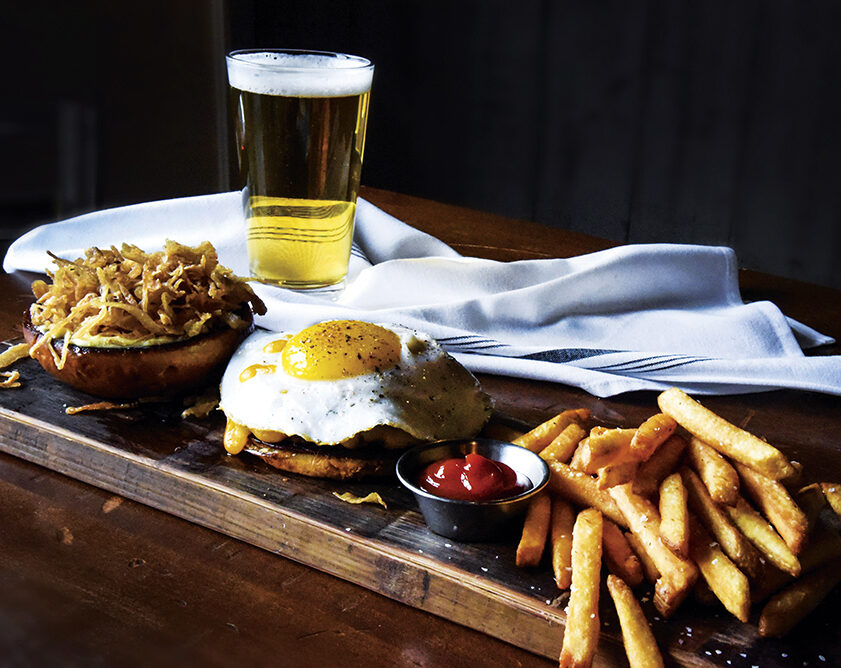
column 472, row 521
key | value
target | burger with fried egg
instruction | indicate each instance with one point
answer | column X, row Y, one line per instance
column 342, row 399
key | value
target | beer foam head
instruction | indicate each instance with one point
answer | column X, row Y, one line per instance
column 299, row 74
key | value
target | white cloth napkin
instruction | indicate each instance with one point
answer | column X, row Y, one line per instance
column 629, row 318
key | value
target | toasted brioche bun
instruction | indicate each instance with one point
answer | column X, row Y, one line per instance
column 132, row 372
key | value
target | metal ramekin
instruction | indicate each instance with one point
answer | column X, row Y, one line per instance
column 472, row 521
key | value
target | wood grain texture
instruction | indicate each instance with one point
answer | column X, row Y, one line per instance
column 179, row 466
column 386, row 551
column 94, row 579
column 151, row 455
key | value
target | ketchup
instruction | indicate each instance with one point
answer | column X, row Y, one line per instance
column 472, row 478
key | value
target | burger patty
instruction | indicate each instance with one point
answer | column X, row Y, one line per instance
column 325, row 461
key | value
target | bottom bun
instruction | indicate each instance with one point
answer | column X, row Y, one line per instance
column 132, row 372
column 326, row 461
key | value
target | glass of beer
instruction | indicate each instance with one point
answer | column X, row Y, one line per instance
column 300, row 120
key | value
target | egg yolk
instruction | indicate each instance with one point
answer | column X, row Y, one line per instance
column 274, row 346
column 340, row 349
column 249, row 372
column 236, row 436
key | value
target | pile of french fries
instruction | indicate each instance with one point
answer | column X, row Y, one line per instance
column 686, row 502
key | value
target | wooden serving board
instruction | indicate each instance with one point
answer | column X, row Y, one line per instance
column 152, row 455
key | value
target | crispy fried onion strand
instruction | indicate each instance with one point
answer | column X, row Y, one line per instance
column 10, row 379
column 8, row 357
column 134, row 296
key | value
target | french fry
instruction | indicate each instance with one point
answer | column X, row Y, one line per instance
column 583, row 490
column 576, row 462
column 824, row 545
column 563, row 518
column 674, row 515
column 776, row 504
column 564, row 444
column 663, row 462
column 616, row 474
column 611, row 439
column 795, row 478
column 677, row 575
column 759, row 532
column 640, row 646
column 601, row 448
column 606, row 446
column 651, row 434
column 787, row 608
column 609, row 454
column 539, row 437
column 705, row 537
column 535, row 530
column 649, row 569
column 726, row 581
column 618, row 554
column 738, row 444
column 581, row 635
column 811, row 501
column 715, row 471
column 733, row 542
column 832, row 494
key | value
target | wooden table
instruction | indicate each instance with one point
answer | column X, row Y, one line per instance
column 91, row 578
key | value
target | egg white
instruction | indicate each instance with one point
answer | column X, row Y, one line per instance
column 429, row 395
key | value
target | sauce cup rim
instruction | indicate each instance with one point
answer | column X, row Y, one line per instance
column 455, row 446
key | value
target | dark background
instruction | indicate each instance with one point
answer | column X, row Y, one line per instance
column 637, row 120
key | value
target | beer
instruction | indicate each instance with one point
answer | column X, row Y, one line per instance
column 300, row 120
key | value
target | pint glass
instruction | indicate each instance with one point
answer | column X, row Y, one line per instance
column 299, row 119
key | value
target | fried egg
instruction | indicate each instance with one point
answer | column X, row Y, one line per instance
column 336, row 381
